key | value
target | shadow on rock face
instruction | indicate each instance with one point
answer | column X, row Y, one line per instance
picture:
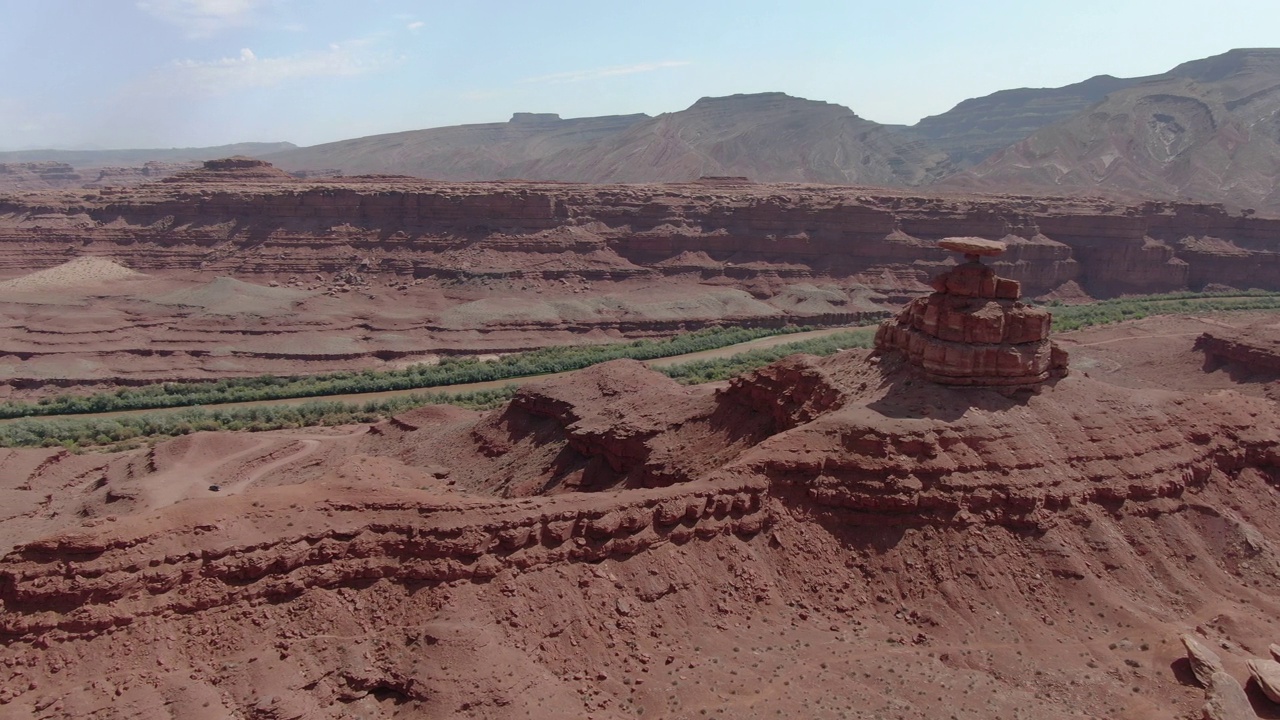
column 1263, row 707
column 1182, row 672
column 912, row 397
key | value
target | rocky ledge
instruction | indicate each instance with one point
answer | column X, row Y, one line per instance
column 1254, row 350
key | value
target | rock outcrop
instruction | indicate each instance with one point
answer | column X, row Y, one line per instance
column 972, row 330
column 1255, row 350
column 38, row 175
column 836, row 501
column 1225, row 699
column 1204, row 662
column 1266, row 673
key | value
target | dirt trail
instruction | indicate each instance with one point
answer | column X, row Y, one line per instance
column 1134, row 337
column 309, row 446
column 194, row 479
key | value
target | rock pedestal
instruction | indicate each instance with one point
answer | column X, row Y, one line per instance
column 973, row 331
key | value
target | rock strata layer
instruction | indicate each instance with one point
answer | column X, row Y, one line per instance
column 1254, row 350
column 611, row 517
column 264, row 223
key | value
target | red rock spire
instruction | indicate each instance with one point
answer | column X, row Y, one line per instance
column 973, row 330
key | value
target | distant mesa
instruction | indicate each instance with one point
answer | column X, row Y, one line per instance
column 235, row 163
column 528, row 117
column 973, row 331
column 233, row 169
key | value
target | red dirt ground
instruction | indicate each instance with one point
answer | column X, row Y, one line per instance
column 824, row 538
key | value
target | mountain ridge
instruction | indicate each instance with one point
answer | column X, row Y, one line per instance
column 1206, row 130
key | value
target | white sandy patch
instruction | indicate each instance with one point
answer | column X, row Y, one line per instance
column 79, row 273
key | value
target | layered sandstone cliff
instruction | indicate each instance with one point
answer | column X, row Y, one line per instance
column 248, row 271
column 266, row 226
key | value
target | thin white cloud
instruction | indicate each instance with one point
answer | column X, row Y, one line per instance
column 605, row 72
column 416, row 24
column 203, row 17
column 26, row 124
column 477, row 95
column 248, row 70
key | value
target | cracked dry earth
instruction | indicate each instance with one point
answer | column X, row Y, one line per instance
column 823, row 538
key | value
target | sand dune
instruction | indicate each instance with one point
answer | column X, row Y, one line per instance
column 83, row 272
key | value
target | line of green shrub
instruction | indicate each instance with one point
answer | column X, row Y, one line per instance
column 74, row 433
column 450, row 371
column 1074, row 317
column 701, row 371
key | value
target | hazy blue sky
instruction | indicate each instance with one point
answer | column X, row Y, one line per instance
column 164, row 73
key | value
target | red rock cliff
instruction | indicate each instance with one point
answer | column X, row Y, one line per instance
column 264, row 225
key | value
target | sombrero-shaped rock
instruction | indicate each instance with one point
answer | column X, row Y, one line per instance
column 973, row 246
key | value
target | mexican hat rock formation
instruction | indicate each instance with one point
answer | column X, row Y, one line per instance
column 972, row 330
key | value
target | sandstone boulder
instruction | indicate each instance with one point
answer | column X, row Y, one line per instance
column 1225, row 699
column 1204, row 662
column 1267, row 674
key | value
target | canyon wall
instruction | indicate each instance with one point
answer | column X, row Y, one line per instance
column 733, row 232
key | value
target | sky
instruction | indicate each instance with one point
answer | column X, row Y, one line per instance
column 105, row 74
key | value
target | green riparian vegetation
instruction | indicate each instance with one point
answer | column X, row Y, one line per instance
column 1104, row 312
column 75, row 433
column 449, row 371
